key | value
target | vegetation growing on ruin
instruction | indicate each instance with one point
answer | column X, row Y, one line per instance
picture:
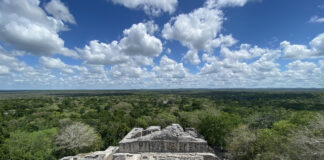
column 240, row 124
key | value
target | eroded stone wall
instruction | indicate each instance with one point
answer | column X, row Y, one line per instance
column 162, row 146
column 165, row 156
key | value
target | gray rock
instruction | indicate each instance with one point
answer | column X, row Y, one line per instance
column 99, row 155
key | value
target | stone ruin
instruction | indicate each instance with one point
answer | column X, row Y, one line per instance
column 154, row 143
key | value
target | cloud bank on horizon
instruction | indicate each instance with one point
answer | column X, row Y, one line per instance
column 174, row 45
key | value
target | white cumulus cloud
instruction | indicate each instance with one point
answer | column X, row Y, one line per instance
column 138, row 45
column 59, row 11
column 138, row 41
column 150, row 7
column 245, row 52
column 225, row 3
column 195, row 30
column 316, row 19
column 200, row 30
column 101, row 53
column 24, row 25
column 55, row 63
column 298, row 51
column 192, row 57
column 169, row 69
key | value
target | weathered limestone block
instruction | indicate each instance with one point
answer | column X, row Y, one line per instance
column 150, row 130
column 99, row 155
column 171, row 139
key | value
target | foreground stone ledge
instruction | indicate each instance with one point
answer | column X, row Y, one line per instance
column 99, row 155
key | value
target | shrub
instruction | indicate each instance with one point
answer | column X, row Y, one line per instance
column 34, row 145
column 76, row 138
column 240, row 143
column 216, row 128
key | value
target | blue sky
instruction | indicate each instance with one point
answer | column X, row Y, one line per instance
column 144, row 44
